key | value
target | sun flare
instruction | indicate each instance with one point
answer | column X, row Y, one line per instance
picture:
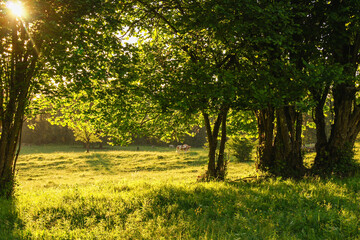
column 16, row 8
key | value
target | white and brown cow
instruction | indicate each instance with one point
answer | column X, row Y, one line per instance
column 182, row 148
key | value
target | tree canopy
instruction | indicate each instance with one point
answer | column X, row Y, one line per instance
column 209, row 60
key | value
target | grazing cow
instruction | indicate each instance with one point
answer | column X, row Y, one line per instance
column 183, row 148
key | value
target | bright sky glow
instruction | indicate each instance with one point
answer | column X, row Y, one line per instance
column 16, row 8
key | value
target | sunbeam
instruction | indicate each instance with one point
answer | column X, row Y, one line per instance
column 16, row 8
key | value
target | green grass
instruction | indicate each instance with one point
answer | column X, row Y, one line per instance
column 153, row 194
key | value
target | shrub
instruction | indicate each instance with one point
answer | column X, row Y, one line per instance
column 241, row 148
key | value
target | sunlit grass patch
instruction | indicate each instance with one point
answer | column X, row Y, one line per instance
column 274, row 209
column 35, row 170
column 123, row 194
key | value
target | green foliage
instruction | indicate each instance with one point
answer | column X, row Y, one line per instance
column 37, row 55
column 38, row 130
column 78, row 113
column 242, row 148
column 86, row 134
column 242, row 121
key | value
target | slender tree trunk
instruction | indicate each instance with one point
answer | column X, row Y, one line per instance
column 87, row 146
column 321, row 145
column 221, row 164
column 212, row 141
column 288, row 156
column 11, row 128
column 87, row 140
column 216, row 168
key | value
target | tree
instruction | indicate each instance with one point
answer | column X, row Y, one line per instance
column 277, row 88
column 324, row 48
column 78, row 113
column 340, row 41
column 192, row 63
column 27, row 44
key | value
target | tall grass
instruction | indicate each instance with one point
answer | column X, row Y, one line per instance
column 154, row 195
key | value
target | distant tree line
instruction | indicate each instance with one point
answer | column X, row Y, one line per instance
column 39, row 131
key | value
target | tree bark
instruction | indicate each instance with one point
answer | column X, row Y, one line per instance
column 279, row 151
column 288, row 156
column 221, row 164
column 216, row 168
column 319, row 120
column 212, row 141
column 336, row 154
column 265, row 121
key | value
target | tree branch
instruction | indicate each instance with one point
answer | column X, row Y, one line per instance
column 159, row 15
column 175, row 30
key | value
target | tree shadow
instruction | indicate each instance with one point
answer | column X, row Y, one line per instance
column 258, row 209
column 10, row 223
column 248, row 211
column 99, row 162
column 308, row 208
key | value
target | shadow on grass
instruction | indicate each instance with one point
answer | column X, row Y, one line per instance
column 309, row 210
column 10, row 223
column 268, row 210
column 181, row 163
column 99, row 162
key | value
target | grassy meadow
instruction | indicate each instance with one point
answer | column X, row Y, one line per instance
column 121, row 193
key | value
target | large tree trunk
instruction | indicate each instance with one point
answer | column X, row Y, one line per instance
column 288, row 143
column 216, row 168
column 336, row 154
column 321, row 145
column 265, row 121
column 279, row 149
